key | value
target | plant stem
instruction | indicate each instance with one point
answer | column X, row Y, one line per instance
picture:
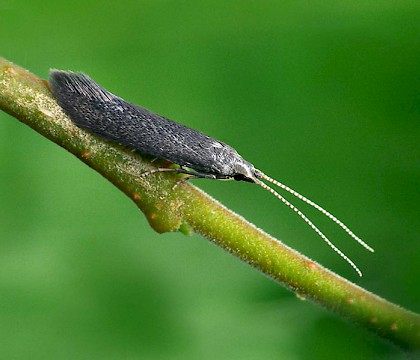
column 27, row 97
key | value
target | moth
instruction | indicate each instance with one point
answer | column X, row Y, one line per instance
column 198, row 155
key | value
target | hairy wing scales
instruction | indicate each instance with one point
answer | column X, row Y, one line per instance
column 94, row 108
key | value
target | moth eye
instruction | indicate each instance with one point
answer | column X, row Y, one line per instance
column 241, row 177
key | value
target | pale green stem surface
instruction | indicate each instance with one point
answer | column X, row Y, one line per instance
column 27, row 97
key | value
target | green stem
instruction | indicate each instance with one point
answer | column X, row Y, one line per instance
column 27, row 97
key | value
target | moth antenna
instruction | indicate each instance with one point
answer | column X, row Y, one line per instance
column 310, row 223
column 319, row 208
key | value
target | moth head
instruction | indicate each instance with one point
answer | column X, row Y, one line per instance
column 244, row 171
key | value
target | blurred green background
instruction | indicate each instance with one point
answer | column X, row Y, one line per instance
column 321, row 95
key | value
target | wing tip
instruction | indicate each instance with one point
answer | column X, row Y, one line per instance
column 62, row 81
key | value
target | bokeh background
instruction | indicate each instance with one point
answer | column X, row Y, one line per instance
column 321, row 95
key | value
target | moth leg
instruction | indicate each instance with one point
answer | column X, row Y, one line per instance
column 158, row 170
column 180, row 170
column 184, row 180
column 175, row 170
